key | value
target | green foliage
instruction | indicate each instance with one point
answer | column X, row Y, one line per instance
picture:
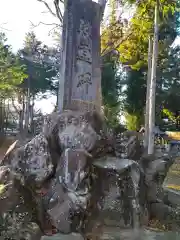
column 11, row 71
column 111, row 90
column 134, row 50
column 40, row 74
column 169, row 114
column 168, row 95
column 171, row 80
column 111, row 115
column 111, row 78
column 39, row 77
column 135, row 98
column 113, row 31
column 133, row 122
column 110, row 81
column 134, row 53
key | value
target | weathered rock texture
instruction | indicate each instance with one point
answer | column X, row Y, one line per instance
column 61, row 186
column 80, row 85
column 52, row 170
column 154, row 168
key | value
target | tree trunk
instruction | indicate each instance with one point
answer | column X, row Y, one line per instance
column 21, row 116
column 32, row 117
column 102, row 3
column 27, row 108
column 146, row 137
column 2, row 116
column 152, row 94
column 6, row 115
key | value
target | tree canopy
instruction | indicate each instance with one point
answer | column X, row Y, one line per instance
column 134, row 55
column 40, row 73
column 12, row 72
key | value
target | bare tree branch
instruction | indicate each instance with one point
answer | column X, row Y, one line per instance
column 14, row 106
column 115, row 45
column 3, row 28
column 48, row 7
column 12, row 115
column 58, row 14
column 47, row 24
column 44, row 12
column 4, row 23
column 51, row 30
column 58, row 11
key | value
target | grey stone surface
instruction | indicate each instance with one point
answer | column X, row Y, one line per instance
column 141, row 234
column 122, row 234
column 114, row 163
column 80, row 81
column 173, row 196
column 60, row 236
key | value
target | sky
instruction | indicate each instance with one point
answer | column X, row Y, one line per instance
column 16, row 16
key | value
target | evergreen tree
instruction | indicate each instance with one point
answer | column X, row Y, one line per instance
column 11, row 72
column 40, row 79
column 134, row 52
column 111, row 76
column 111, row 89
column 135, row 98
column 11, row 75
column 40, row 73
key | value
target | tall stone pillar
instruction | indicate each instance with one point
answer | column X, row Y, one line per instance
column 80, row 80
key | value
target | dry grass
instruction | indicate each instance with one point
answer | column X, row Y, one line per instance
column 4, row 147
column 174, row 135
column 2, row 187
column 174, row 172
column 173, row 176
column 173, row 187
column 176, row 166
column 156, row 225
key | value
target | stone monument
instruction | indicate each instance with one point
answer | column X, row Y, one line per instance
column 54, row 173
column 80, row 81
